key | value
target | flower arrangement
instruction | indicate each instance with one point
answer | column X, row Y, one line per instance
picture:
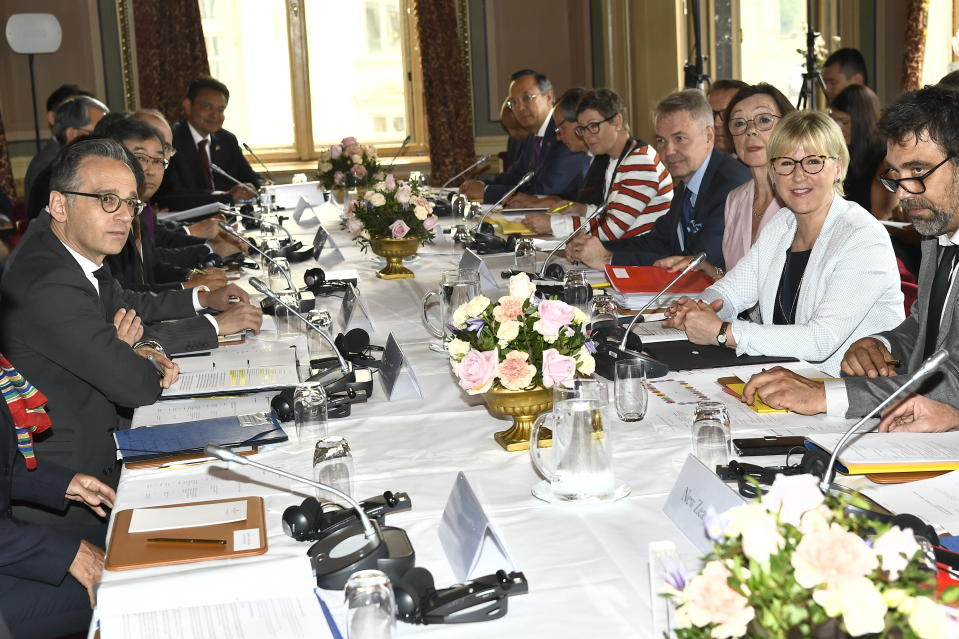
column 348, row 159
column 794, row 561
column 519, row 342
column 390, row 209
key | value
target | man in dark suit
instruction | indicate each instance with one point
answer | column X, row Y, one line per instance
column 201, row 142
column 922, row 152
column 47, row 573
column 685, row 139
column 558, row 170
column 60, row 304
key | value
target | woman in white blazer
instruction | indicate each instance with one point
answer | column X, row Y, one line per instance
column 822, row 271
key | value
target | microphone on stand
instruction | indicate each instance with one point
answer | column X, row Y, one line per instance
column 217, row 169
column 465, row 171
column 357, row 547
column 257, row 158
column 613, row 341
column 400, row 150
column 247, row 216
column 929, row 365
column 500, row 202
column 229, row 229
column 589, row 218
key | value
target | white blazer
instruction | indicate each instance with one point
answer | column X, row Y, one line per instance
column 850, row 289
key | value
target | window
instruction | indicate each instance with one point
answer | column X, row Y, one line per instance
column 771, row 34
column 317, row 70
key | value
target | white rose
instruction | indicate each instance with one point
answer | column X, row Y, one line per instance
column 928, row 619
column 521, row 286
column 420, row 212
column 860, row 603
column 457, row 348
column 356, row 158
column 476, row 306
column 379, row 186
column 459, row 317
column 586, row 364
column 404, row 194
column 325, row 166
column 508, row 331
column 378, row 199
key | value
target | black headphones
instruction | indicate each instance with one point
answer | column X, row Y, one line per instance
column 316, row 282
column 355, row 347
column 309, row 521
column 486, row 241
column 337, row 404
column 249, row 221
column 482, row 599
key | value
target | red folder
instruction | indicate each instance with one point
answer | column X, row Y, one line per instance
column 651, row 279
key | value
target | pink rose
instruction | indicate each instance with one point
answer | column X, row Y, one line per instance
column 708, row 599
column 355, row 149
column 354, row 224
column 359, row 171
column 553, row 315
column 832, row 557
column 336, row 151
column 430, row 222
column 508, row 309
column 477, row 370
column 350, row 141
column 338, row 177
column 557, row 367
column 515, row 372
column 399, row 229
column 390, row 182
column 791, row 496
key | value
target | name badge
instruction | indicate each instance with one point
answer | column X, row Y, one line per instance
column 472, row 545
column 696, row 489
column 472, row 261
column 310, row 220
column 353, row 312
column 332, row 257
column 396, row 373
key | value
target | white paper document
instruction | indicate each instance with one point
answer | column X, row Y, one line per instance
column 894, row 448
column 933, row 500
column 149, row 519
column 189, row 214
column 175, row 411
column 652, row 332
column 212, row 382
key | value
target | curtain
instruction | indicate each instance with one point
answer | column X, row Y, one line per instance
column 170, row 52
column 446, row 89
column 6, row 169
column 915, row 44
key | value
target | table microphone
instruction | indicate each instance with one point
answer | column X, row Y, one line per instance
column 472, row 166
column 289, row 280
column 246, row 216
column 400, row 150
column 217, row 169
column 929, row 365
column 589, row 218
column 257, row 158
column 356, row 547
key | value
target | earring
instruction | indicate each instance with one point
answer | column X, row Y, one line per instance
column 836, row 181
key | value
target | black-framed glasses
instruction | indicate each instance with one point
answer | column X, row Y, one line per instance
column 906, row 184
column 592, row 127
column 762, row 122
column 146, row 160
column 811, row 164
column 111, row 202
column 512, row 103
column 719, row 114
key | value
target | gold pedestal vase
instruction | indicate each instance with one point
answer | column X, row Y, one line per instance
column 394, row 251
column 523, row 406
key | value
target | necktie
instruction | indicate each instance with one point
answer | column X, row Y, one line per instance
column 537, row 151
column 937, row 296
column 686, row 224
column 103, row 276
column 205, row 163
column 149, row 220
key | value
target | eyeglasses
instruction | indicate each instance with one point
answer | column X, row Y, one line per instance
column 145, row 160
column 893, row 184
column 111, row 202
column 168, row 151
column 762, row 122
column 719, row 114
column 592, row 127
column 811, row 164
column 512, row 103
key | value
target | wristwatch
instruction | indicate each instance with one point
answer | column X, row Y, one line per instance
column 149, row 343
column 721, row 338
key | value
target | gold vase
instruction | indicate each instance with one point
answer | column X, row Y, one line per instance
column 394, row 251
column 523, row 406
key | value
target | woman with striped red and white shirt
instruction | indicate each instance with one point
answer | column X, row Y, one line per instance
column 638, row 188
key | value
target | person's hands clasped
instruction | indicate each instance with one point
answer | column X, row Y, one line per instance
column 521, row 201
column 91, row 491
column 87, row 568
column 220, row 299
column 538, row 223
column 473, row 189
column 170, row 370
column 868, row 357
column 677, row 310
column 702, row 324
column 588, row 250
column 242, row 192
column 781, row 388
column 919, row 414
column 240, row 317
column 208, row 228
column 212, row 278
column 128, row 325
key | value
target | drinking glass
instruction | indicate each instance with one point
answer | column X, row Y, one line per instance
column 630, row 390
column 321, row 320
column 371, row 606
column 278, row 270
column 712, row 435
column 456, row 287
column 577, row 291
column 525, row 255
column 309, row 412
column 333, row 466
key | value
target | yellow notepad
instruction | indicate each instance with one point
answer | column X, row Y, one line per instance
column 757, row 404
column 509, row 227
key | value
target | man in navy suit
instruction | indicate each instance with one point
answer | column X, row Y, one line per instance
column 558, row 170
column 201, row 142
column 685, row 139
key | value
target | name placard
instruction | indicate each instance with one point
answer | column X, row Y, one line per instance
column 696, row 489
column 488, row 283
column 301, row 207
column 396, row 373
column 472, row 545
column 353, row 312
column 332, row 257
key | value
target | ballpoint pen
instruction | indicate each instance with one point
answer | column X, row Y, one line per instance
column 561, row 207
column 178, row 540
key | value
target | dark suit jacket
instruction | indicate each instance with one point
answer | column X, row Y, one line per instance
column 592, row 185
column 723, row 174
column 59, row 333
column 907, row 341
column 183, row 185
column 559, row 169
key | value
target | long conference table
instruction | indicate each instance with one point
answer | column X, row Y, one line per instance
column 586, row 564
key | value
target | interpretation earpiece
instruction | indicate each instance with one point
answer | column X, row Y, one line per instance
column 353, row 342
column 410, row 591
column 282, row 405
column 299, row 522
column 314, row 276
